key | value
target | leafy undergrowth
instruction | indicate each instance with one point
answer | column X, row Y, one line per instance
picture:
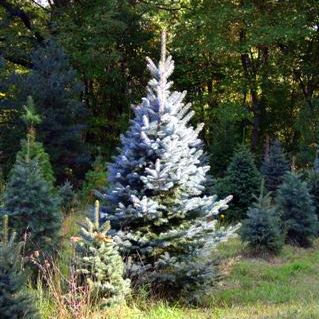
column 282, row 287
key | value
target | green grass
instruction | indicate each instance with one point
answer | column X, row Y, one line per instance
column 282, row 287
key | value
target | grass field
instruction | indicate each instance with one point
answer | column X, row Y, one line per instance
column 283, row 287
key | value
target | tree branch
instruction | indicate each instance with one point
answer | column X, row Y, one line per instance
column 15, row 11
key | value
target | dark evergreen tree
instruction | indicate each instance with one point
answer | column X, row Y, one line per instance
column 262, row 229
column 242, row 180
column 274, row 167
column 56, row 91
column 15, row 302
column 312, row 178
column 160, row 218
column 297, row 210
column 32, row 206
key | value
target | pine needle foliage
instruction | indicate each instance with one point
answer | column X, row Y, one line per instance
column 15, row 302
column 33, row 206
column 242, row 180
column 32, row 149
column 159, row 214
column 313, row 183
column 297, row 211
column 100, row 264
column 262, row 229
column 274, row 167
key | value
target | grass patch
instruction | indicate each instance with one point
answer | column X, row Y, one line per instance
column 282, row 287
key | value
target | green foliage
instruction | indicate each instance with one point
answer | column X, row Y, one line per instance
column 95, row 180
column 35, row 150
column 68, row 196
column 242, row 180
column 262, row 228
column 30, row 117
column 297, row 211
column 100, row 264
column 33, row 207
column 274, row 167
column 2, row 188
column 56, row 91
column 15, row 301
column 313, row 183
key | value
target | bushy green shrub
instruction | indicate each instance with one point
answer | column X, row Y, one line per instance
column 297, row 210
column 262, row 229
column 242, row 180
column 99, row 263
column 15, row 302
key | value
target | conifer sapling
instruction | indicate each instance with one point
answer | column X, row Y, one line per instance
column 100, row 264
column 262, row 229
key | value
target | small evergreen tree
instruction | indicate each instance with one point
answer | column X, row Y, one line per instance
column 32, row 205
column 100, row 264
column 274, row 167
column 160, row 216
column 297, row 210
column 262, row 228
column 30, row 148
column 15, row 302
column 242, row 180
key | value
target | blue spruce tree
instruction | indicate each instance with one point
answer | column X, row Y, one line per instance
column 274, row 167
column 161, row 220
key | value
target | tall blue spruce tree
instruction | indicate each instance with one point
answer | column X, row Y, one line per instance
column 161, row 220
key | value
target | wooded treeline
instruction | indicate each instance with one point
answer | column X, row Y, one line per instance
column 250, row 69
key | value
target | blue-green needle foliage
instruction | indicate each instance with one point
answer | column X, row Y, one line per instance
column 33, row 206
column 242, row 180
column 297, row 210
column 274, row 167
column 262, row 229
column 100, row 264
column 15, row 302
column 159, row 215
